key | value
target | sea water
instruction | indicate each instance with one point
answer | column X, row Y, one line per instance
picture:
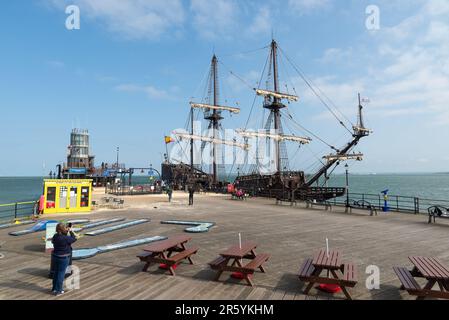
column 429, row 186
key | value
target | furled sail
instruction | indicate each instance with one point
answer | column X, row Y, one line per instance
column 213, row 107
column 344, row 157
column 278, row 95
column 211, row 140
column 276, row 137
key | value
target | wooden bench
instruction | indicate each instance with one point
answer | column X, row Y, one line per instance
column 256, row 263
column 349, row 275
column 144, row 255
column 183, row 255
column 306, row 270
column 362, row 204
column 408, row 282
column 218, row 263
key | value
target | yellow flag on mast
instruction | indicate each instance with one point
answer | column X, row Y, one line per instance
column 169, row 139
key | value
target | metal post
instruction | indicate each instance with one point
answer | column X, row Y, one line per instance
column 347, row 186
column 416, row 205
column 118, row 151
column 15, row 211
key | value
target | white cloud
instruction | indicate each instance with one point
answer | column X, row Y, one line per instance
column 56, row 64
column 307, row 6
column 410, row 75
column 132, row 19
column 437, row 7
column 333, row 55
column 262, row 23
column 214, row 18
column 151, row 91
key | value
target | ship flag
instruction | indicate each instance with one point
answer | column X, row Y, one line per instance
column 168, row 139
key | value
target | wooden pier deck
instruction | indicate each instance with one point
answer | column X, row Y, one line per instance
column 289, row 234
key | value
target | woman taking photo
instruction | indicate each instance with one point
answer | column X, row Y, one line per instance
column 62, row 252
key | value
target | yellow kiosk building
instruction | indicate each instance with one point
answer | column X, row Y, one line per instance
column 67, row 195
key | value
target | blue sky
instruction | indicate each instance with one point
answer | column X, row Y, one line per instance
column 128, row 74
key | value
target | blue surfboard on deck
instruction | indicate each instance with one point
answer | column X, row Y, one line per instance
column 196, row 226
column 117, row 227
column 14, row 224
column 42, row 225
column 98, row 224
column 79, row 254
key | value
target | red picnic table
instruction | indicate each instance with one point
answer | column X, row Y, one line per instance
column 331, row 262
column 161, row 252
column 433, row 270
column 232, row 260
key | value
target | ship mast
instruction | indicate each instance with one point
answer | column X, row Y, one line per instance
column 215, row 117
column 273, row 103
column 276, row 106
column 212, row 113
column 191, row 140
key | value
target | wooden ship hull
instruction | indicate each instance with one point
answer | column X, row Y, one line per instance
column 288, row 186
column 181, row 175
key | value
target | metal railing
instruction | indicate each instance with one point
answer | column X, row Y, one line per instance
column 133, row 190
column 17, row 210
column 395, row 203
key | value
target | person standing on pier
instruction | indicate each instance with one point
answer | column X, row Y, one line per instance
column 169, row 193
column 62, row 243
column 191, row 192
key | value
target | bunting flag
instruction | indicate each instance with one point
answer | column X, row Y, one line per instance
column 169, row 139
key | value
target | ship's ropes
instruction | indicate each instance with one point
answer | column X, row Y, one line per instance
column 283, row 151
column 240, row 78
column 312, row 87
column 245, row 52
column 289, row 116
column 245, row 164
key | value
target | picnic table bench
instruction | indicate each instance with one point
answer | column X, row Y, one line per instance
column 162, row 252
column 231, row 260
column 311, row 269
column 429, row 268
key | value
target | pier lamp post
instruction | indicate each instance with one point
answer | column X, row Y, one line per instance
column 347, row 186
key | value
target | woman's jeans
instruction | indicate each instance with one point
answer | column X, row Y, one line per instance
column 60, row 265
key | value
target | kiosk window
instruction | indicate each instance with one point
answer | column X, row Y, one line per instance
column 84, row 197
column 51, row 197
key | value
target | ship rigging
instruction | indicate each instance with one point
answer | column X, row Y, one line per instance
column 279, row 180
